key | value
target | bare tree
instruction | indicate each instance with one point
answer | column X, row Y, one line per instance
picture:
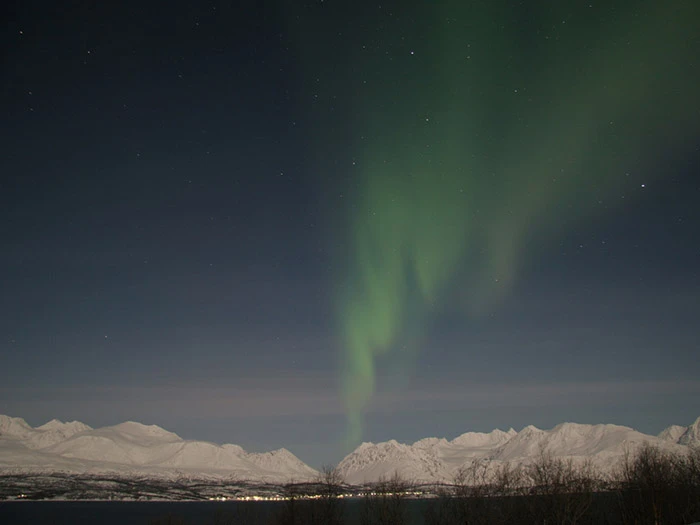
column 688, row 481
column 655, row 486
column 562, row 490
column 293, row 511
column 482, row 492
column 507, row 483
column 507, row 479
column 385, row 502
column 329, row 507
column 471, row 488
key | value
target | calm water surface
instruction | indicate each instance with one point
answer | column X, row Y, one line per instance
column 151, row 513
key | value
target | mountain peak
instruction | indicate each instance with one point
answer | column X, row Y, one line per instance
column 139, row 430
column 483, row 439
column 691, row 436
column 50, row 425
column 430, row 442
column 672, row 433
column 58, row 425
column 14, row 426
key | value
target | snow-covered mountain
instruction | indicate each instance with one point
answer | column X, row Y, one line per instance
column 672, row 433
column 573, row 440
column 370, row 462
column 147, row 450
column 691, row 436
column 436, row 459
column 139, row 449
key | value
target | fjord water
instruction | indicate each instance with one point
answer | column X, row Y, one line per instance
column 167, row 512
column 613, row 508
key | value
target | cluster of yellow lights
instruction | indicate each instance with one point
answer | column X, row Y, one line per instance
column 402, row 493
column 311, row 496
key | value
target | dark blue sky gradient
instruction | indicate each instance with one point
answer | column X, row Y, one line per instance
column 168, row 251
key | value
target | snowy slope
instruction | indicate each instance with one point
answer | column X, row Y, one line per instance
column 672, row 433
column 372, row 462
column 464, row 448
column 136, row 448
column 54, row 432
column 436, row 459
column 688, row 436
column 691, row 436
column 14, row 427
column 46, row 435
column 571, row 439
column 483, row 440
column 282, row 461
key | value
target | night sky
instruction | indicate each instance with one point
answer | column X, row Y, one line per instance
column 309, row 224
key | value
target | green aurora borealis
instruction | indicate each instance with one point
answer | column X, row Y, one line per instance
column 479, row 129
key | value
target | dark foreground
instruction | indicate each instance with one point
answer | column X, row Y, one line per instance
column 601, row 508
column 135, row 512
column 651, row 487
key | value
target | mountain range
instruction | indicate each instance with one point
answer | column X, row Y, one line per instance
column 147, row 450
column 435, row 460
column 136, row 449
